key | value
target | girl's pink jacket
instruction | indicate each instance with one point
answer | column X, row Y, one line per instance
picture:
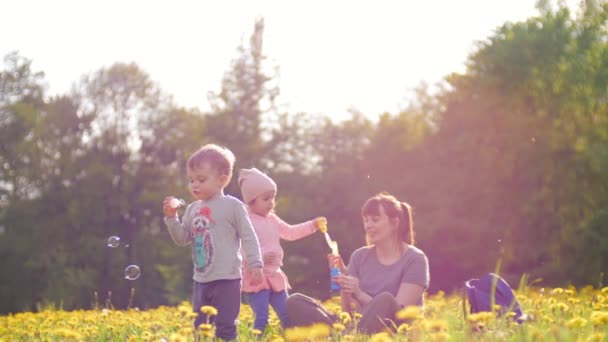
column 270, row 230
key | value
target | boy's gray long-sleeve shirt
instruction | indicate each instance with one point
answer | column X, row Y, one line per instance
column 216, row 228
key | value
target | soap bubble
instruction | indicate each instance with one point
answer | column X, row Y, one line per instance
column 132, row 272
column 177, row 202
column 113, row 241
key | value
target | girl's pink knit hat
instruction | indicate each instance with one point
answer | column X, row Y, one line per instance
column 253, row 183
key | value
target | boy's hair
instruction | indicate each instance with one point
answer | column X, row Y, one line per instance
column 393, row 209
column 218, row 157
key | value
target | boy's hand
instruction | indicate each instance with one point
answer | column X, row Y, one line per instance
column 168, row 209
column 256, row 276
column 321, row 224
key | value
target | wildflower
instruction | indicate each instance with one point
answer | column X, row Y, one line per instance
column 307, row 333
column 576, row 322
column 338, row 327
column 436, row 325
column 209, row 310
column 183, row 310
column 557, row 291
column 598, row 337
column 348, row 338
column 175, row 337
column 560, row 307
column 440, row 336
column 604, row 291
column 256, row 332
column 573, row 300
column 409, row 313
column 381, row 337
column 403, row 328
column 481, row 317
column 205, row 327
column 191, row 314
column 345, row 317
column 599, row 318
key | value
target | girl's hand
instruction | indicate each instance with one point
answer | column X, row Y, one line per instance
column 348, row 285
column 321, row 224
column 168, row 209
column 256, row 276
column 336, row 260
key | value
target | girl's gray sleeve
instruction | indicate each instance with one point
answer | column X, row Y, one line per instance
column 249, row 240
column 178, row 230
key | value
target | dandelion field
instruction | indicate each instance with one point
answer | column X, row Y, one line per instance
column 557, row 314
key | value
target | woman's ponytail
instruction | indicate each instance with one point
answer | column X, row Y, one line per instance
column 407, row 224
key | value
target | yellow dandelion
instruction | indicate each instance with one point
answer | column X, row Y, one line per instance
column 604, row 291
column 381, row 337
column 557, row 291
column 403, row 328
column 348, row 338
column 209, row 310
column 338, row 327
column 277, row 339
column 560, row 307
column 345, row 317
column 481, row 317
column 256, row 332
column 409, row 313
column 296, row 334
column 436, row 325
column 576, row 322
column 599, row 318
column 205, row 327
column 597, row 337
column 191, row 314
column 306, row 333
column 439, row 336
column 183, row 310
column 175, row 337
column 357, row 315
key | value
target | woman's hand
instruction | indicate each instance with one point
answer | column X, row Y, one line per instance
column 336, row 260
column 348, row 285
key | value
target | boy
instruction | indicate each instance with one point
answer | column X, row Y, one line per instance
column 217, row 225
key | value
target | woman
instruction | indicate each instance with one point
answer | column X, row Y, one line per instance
column 386, row 275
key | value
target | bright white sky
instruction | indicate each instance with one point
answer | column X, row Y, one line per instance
column 332, row 54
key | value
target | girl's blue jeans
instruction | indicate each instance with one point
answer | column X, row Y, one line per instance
column 260, row 301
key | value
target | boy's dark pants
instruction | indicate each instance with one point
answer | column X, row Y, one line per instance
column 225, row 296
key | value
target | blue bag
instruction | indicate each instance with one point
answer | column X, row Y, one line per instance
column 479, row 293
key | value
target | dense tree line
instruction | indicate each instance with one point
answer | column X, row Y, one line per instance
column 507, row 164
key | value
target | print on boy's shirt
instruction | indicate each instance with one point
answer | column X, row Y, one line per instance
column 203, row 244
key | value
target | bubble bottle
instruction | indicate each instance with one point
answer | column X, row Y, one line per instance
column 335, row 270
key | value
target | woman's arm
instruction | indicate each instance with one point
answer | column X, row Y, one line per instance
column 409, row 294
column 349, row 287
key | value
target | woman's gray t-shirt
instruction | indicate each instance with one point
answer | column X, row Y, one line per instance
column 375, row 278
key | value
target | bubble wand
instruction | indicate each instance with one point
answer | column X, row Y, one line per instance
column 333, row 245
